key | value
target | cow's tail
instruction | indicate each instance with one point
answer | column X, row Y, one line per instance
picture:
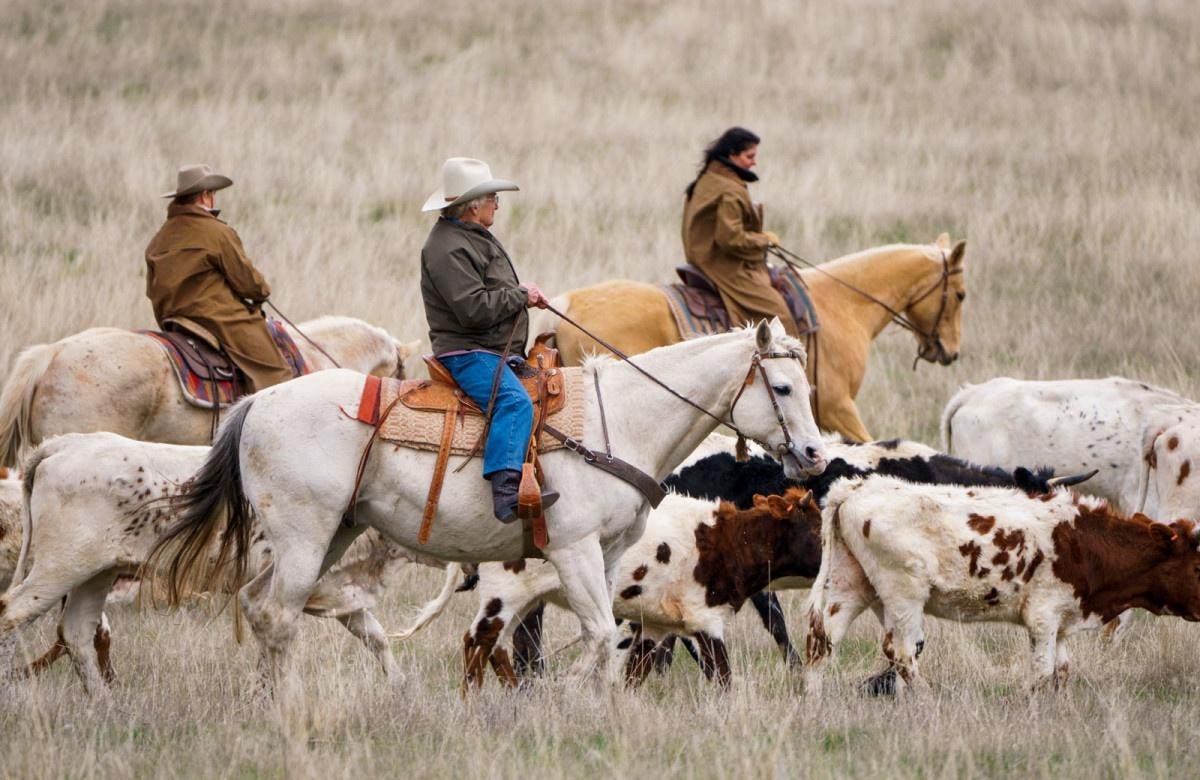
column 207, row 549
column 435, row 607
column 946, row 428
column 16, row 401
column 544, row 321
column 1147, row 463
column 30, row 469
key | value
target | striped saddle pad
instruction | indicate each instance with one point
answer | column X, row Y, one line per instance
column 201, row 390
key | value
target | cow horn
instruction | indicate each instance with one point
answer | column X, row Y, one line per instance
column 1071, row 480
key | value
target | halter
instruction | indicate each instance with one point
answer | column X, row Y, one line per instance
column 924, row 339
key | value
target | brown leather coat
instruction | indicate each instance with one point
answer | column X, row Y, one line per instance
column 197, row 271
column 722, row 235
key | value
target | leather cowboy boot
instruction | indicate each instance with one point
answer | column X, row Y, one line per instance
column 505, row 484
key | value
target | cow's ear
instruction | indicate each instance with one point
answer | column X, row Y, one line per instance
column 779, row 506
column 760, row 503
column 1163, row 534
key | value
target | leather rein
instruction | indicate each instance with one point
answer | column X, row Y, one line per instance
column 756, row 364
column 926, row 339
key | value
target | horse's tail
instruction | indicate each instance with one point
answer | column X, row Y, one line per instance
column 212, row 510
column 946, row 432
column 545, row 321
column 30, row 469
column 16, row 401
column 435, row 607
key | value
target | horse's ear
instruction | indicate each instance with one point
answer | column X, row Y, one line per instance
column 763, row 335
column 956, row 254
column 943, row 241
column 409, row 349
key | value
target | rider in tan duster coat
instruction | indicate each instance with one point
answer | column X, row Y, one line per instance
column 723, row 235
column 197, row 270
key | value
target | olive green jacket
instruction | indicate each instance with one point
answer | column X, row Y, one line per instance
column 471, row 291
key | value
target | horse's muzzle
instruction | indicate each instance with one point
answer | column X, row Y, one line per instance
column 936, row 353
column 802, row 460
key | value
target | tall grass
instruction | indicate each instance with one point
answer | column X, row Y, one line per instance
column 1058, row 138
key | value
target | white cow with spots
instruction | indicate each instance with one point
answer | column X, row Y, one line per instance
column 1171, row 468
column 1073, row 426
column 1056, row 563
column 98, row 502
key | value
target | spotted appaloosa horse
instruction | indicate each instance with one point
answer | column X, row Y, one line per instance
column 924, row 282
column 107, row 379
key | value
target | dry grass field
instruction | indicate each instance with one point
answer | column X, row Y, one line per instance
column 1058, row 138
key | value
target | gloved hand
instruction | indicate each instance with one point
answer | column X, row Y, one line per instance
column 772, row 239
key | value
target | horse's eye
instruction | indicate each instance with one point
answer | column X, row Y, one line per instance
column 962, row 296
column 782, row 389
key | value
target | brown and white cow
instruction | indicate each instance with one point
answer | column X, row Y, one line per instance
column 1057, row 564
column 695, row 565
column 98, row 503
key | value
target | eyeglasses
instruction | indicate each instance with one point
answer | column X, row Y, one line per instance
column 494, row 198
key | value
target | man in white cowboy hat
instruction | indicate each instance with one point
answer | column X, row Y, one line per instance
column 198, row 277
column 475, row 306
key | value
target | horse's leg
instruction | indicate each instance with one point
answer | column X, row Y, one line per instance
column 22, row 605
column 363, row 625
column 841, row 415
column 82, row 619
column 581, row 569
column 528, row 655
column 770, row 612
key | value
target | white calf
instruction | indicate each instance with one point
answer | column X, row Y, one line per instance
column 98, row 503
column 1056, row 564
column 1073, row 426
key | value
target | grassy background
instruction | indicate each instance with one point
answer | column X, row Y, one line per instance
column 1058, row 138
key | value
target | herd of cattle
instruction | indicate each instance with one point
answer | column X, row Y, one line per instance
column 896, row 527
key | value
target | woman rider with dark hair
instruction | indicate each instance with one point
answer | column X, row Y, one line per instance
column 723, row 234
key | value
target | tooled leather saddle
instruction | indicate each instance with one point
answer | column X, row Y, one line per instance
column 541, row 375
column 707, row 311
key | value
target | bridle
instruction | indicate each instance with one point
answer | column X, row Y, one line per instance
column 927, row 341
column 756, row 364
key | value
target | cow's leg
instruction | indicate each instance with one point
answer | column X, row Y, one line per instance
column 25, row 603
column 582, row 570
column 81, row 620
column 103, row 646
column 1043, row 628
column 363, row 625
column 528, row 654
column 833, row 605
column 1114, row 630
column 714, row 658
column 483, row 639
column 770, row 612
column 903, row 641
column 664, row 654
column 1062, row 664
column 640, row 659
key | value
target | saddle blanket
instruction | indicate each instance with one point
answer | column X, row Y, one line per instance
column 422, row 430
column 693, row 309
column 199, row 392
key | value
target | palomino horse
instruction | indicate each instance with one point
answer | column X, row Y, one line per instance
column 262, row 466
column 925, row 283
column 106, row 379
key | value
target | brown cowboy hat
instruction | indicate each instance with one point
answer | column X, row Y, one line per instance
column 197, row 178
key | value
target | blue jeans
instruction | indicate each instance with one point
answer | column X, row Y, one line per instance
column 512, row 417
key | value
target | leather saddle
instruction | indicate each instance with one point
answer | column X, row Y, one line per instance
column 704, row 301
column 199, row 355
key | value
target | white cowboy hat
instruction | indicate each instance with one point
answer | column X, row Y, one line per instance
column 463, row 179
column 197, row 178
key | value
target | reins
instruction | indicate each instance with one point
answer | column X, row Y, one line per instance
column 792, row 259
column 304, row 336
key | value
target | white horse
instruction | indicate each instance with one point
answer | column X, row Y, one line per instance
column 262, row 465
column 108, row 379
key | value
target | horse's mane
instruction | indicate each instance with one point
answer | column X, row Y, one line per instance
column 783, row 342
column 931, row 251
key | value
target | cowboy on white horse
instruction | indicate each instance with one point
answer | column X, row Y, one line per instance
column 199, row 278
column 475, row 306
